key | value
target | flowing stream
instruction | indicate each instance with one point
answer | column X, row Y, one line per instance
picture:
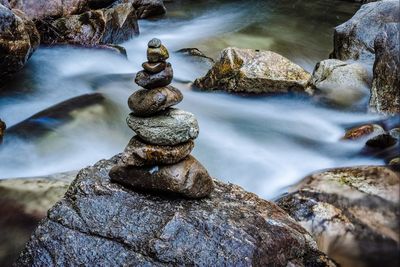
column 262, row 143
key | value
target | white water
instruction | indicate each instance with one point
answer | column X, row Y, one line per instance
column 262, row 143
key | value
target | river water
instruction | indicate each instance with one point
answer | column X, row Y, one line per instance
column 261, row 143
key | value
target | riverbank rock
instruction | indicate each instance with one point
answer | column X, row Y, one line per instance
column 2, row 130
column 254, row 71
column 352, row 213
column 110, row 25
column 355, row 38
column 18, row 40
column 385, row 92
column 339, row 83
column 147, row 8
column 23, row 203
column 103, row 222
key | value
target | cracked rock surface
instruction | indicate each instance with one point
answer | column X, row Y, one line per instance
column 104, row 223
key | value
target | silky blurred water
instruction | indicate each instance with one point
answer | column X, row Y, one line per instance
column 261, row 143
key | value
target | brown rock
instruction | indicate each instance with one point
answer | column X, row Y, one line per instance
column 187, row 178
column 363, row 131
column 154, row 67
column 149, row 102
column 138, row 153
column 2, row 130
column 157, row 54
column 150, row 81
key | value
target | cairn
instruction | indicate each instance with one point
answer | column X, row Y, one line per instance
column 157, row 158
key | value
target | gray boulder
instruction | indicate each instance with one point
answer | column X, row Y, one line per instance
column 352, row 213
column 104, row 223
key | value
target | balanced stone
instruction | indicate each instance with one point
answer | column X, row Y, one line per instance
column 159, row 54
column 138, row 153
column 172, row 127
column 187, row 178
column 149, row 102
column 154, row 43
column 150, row 81
column 154, row 67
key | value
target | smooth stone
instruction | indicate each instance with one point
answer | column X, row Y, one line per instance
column 138, row 153
column 154, row 67
column 172, row 127
column 159, row 54
column 381, row 141
column 150, row 81
column 187, row 178
column 145, row 102
column 363, row 131
column 154, row 43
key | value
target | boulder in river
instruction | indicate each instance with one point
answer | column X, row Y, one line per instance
column 363, row 132
column 385, row 92
column 254, row 71
column 340, row 83
column 18, row 40
column 109, row 224
column 146, row 8
column 352, row 213
column 109, row 25
column 355, row 38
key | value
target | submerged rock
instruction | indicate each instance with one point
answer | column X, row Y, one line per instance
column 18, row 40
column 138, row 153
column 355, row 38
column 106, row 223
column 187, row 178
column 253, row 71
column 385, row 92
column 340, row 83
column 381, row 141
column 352, row 213
column 171, row 127
column 112, row 25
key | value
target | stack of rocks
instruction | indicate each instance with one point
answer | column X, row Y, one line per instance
column 157, row 159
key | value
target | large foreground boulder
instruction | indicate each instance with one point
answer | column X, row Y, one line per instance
column 385, row 92
column 352, row 213
column 102, row 26
column 107, row 224
column 18, row 40
column 355, row 38
column 146, row 8
column 253, row 71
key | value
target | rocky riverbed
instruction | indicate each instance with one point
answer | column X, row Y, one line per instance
column 290, row 101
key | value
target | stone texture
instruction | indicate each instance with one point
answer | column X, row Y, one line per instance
column 355, row 38
column 381, row 141
column 251, row 71
column 385, row 92
column 363, row 132
column 103, row 222
column 18, row 40
column 2, row 130
column 154, row 67
column 138, row 153
column 352, row 213
column 23, row 203
column 187, row 178
column 154, row 43
column 146, row 8
column 340, row 83
column 149, row 81
column 171, row 127
column 157, row 54
column 145, row 102
column 112, row 25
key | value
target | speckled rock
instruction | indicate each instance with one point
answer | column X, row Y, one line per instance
column 138, row 153
column 252, row 71
column 103, row 26
column 154, row 43
column 363, row 132
column 106, row 223
column 171, row 127
column 340, row 83
column 188, row 178
column 149, row 80
column 385, row 91
column 145, row 102
column 19, row 38
column 352, row 213
column 355, row 38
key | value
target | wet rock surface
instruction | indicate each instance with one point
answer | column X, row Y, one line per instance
column 352, row 213
column 19, row 38
column 171, row 127
column 363, row 132
column 103, row 222
column 146, row 8
column 146, row 103
column 138, row 153
column 154, row 67
column 253, row 71
column 149, row 80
